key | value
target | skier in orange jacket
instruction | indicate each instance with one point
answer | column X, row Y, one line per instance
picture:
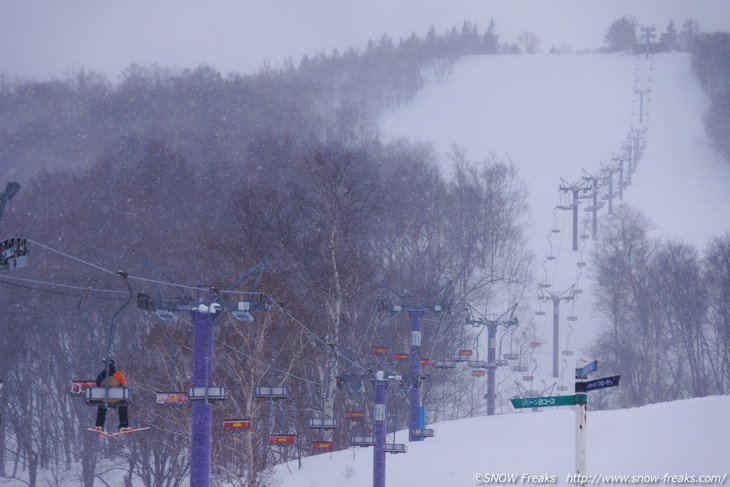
column 116, row 379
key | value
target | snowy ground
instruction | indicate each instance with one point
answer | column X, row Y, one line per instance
column 657, row 440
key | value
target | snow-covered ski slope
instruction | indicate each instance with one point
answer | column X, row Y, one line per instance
column 678, row 438
column 558, row 115
column 555, row 115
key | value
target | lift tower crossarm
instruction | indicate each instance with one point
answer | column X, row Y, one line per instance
column 491, row 324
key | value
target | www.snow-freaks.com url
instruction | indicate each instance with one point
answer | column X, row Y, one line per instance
column 600, row 479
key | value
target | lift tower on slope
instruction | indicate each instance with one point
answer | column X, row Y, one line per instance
column 204, row 312
column 544, row 295
column 575, row 189
column 415, row 308
column 491, row 322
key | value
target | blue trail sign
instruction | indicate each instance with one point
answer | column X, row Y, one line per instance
column 593, row 385
column 586, row 369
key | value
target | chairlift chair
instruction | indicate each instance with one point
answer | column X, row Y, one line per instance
column 444, row 364
column 511, row 356
column 377, row 350
column 210, row 393
column 272, row 392
column 111, row 396
column 282, row 440
column 572, row 318
column 463, row 355
column 519, row 368
column 354, row 414
column 323, row 423
column 401, row 356
column 422, row 433
column 395, row 448
column 323, row 445
column 362, row 441
column 236, row 424
column 478, row 373
column 172, row 398
column 14, row 253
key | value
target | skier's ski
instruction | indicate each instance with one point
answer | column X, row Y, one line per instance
column 104, row 434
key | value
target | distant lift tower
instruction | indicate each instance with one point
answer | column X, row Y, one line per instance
column 507, row 319
column 416, row 412
column 544, row 295
column 575, row 189
column 204, row 312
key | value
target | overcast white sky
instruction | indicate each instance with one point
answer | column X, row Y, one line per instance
column 48, row 38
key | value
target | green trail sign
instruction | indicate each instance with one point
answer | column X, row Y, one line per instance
column 543, row 402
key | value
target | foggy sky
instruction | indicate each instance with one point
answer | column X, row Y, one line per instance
column 43, row 39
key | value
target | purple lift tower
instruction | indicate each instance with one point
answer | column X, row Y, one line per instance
column 202, row 394
column 491, row 322
column 416, row 412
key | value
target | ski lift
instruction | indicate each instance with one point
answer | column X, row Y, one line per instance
column 577, row 291
column 539, row 313
column 535, row 344
column 562, row 388
column 354, row 414
column 282, row 440
column 425, row 361
column 236, row 424
column 14, row 253
column 580, row 264
column 395, row 448
column 463, row 355
column 401, row 356
column 550, row 257
column 323, row 423
column 567, row 353
column 210, row 393
column 585, row 236
column 510, row 356
column 376, row 350
column 478, row 364
column 272, row 392
column 113, row 396
column 172, row 398
column 500, row 362
column 572, row 318
column 527, row 378
column 362, row 441
column 478, row 373
column 519, row 368
column 422, row 433
column 444, row 364
column 323, row 445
